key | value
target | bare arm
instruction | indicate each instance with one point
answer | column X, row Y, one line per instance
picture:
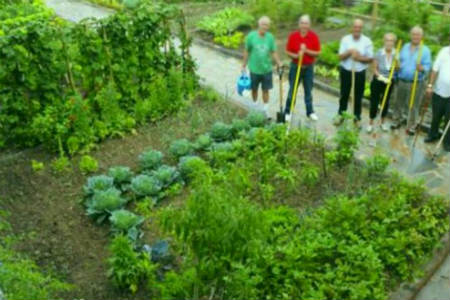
column 433, row 77
column 291, row 54
column 375, row 68
column 362, row 59
column 245, row 59
column 312, row 53
column 276, row 58
column 346, row 54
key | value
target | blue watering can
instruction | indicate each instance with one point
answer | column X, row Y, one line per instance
column 243, row 83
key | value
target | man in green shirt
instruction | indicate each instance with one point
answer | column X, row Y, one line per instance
column 260, row 49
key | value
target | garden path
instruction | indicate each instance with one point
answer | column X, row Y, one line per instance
column 220, row 72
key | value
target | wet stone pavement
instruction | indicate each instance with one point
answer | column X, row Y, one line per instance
column 221, row 72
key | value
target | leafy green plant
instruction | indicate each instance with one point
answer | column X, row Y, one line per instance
column 239, row 125
column 347, row 142
column 256, row 119
column 127, row 223
column 329, row 55
column 37, row 166
column 121, row 175
column 128, row 268
column 61, row 164
column 377, row 165
column 167, row 175
column 225, row 21
column 144, row 185
column 98, row 183
column 233, row 41
column 103, row 203
column 181, row 148
column 203, row 142
column 88, row 164
column 220, row 132
column 150, row 160
column 190, row 166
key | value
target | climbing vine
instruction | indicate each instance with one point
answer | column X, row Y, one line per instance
column 68, row 86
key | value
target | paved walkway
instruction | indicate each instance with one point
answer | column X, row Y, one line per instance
column 221, row 72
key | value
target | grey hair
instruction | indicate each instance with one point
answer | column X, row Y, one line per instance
column 390, row 34
column 418, row 29
column 358, row 21
column 264, row 19
column 305, row 18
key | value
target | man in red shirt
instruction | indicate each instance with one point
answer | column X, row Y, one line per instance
column 303, row 41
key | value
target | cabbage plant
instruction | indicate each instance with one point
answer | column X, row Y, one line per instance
column 181, row 148
column 256, row 119
column 120, row 174
column 203, row 142
column 126, row 222
column 145, row 185
column 239, row 125
column 97, row 183
column 103, row 203
column 221, row 132
column 150, row 160
column 166, row 175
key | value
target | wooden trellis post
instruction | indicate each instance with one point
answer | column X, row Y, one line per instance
column 374, row 14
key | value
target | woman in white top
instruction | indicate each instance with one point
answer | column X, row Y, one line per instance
column 382, row 64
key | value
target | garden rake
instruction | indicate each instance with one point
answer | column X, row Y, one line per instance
column 294, row 92
column 389, row 84
column 416, row 79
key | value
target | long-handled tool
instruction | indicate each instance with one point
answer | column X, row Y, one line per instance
column 389, row 84
column 416, row 79
column 281, row 117
column 425, row 163
column 352, row 88
column 294, row 93
column 438, row 146
column 422, row 118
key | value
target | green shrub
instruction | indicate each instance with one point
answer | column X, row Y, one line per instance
column 88, row 164
column 181, row 148
column 61, row 164
column 377, row 165
column 225, row 21
column 127, row 223
column 190, row 166
column 347, row 141
column 127, row 268
column 144, row 185
column 150, row 160
column 103, row 203
column 233, row 41
column 221, row 132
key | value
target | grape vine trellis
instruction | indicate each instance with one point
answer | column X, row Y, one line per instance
column 70, row 85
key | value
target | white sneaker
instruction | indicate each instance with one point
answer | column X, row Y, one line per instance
column 313, row 117
column 369, row 128
column 385, row 127
column 288, row 117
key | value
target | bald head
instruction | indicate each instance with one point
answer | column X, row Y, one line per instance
column 304, row 23
column 263, row 24
column 358, row 25
column 416, row 35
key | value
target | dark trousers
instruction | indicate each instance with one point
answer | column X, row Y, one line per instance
column 307, row 77
column 377, row 90
column 346, row 86
column 441, row 108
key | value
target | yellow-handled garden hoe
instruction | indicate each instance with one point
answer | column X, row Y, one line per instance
column 294, row 93
column 416, row 79
column 389, row 84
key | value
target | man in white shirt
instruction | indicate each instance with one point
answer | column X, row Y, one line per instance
column 355, row 53
column 440, row 80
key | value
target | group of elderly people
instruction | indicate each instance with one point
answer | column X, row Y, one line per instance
column 410, row 75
